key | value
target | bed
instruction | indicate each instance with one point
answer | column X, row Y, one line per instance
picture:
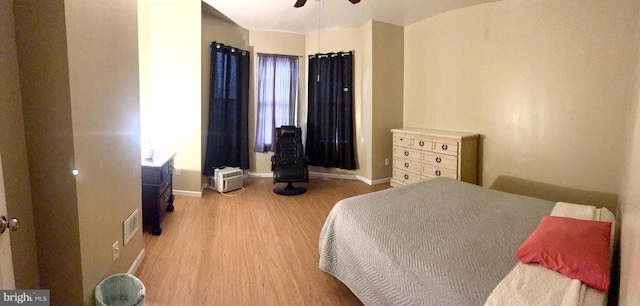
column 444, row 242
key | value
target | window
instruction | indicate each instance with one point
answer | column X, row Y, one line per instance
column 277, row 97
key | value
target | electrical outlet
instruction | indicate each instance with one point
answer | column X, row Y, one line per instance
column 177, row 171
column 116, row 250
column 386, row 161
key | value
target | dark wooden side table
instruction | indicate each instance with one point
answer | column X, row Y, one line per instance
column 157, row 190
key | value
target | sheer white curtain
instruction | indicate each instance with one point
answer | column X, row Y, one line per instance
column 277, row 97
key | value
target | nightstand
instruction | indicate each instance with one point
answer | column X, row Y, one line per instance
column 157, row 190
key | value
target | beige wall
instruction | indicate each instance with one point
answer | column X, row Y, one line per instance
column 387, row 94
column 274, row 43
column 630, row 232
column 630, row 206
column 105, row 109
column 13, row 149
column 171, row 118
column 81, row 111
column 216, row 29
column 44, row 81
column 548, row 84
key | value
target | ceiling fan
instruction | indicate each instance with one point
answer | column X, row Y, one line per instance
column 300, row 3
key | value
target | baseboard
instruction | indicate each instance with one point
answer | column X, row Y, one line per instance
column 333, row 176
column 136, row 263
column 256, row 174
column 188, row 193
column 351, row 177
column 374, row 182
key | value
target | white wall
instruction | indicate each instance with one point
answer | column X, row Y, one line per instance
column 171, row 118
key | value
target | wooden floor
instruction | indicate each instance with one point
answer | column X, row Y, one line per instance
column 256, row 248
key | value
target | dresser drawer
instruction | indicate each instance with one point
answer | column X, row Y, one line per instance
column 445, row 147
column 403, row 140
column 440, row 160
column 164, row 200
column 407, row 165
column 165, row 183
column 422, row 143
column 407, row 153
column 406, row 177
column 431, row 171
column 155, row 175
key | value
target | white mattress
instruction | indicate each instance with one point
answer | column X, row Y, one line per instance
column 531, row 284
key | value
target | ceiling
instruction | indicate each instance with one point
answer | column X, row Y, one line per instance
column 281, row 16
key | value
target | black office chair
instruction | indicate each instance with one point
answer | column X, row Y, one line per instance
column 289, row 164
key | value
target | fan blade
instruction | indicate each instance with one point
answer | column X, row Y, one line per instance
column 354, row 1
column 300, row 3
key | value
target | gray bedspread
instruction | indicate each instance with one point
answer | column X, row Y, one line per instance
column 438, row 242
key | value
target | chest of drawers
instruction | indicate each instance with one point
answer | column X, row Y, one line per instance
column 421, row 154
column 157, row 190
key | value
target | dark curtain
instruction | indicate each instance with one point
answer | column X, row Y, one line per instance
column 228, row 129
column 330, row 111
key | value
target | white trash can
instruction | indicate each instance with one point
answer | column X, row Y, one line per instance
column 120, row 290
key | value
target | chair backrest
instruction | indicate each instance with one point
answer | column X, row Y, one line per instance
column 289, row 142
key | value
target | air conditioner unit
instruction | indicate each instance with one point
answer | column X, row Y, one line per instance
column 226, row 179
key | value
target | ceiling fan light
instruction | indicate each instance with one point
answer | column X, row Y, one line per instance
column 301, row 3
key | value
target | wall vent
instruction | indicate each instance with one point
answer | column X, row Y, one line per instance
column 131, row 226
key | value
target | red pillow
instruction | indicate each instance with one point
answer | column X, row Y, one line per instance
column 579, row 249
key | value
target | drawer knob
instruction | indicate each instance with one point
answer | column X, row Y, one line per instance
column 406, row 176
column 438, row 172
column 406, row 165
column 401, row 139
column 406, row 153
column 444, row 146
column 438, row 159
column 421, row 143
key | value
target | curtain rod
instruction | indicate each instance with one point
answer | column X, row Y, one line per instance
column 332, row 54
column 233, row 49
column 273, row 54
